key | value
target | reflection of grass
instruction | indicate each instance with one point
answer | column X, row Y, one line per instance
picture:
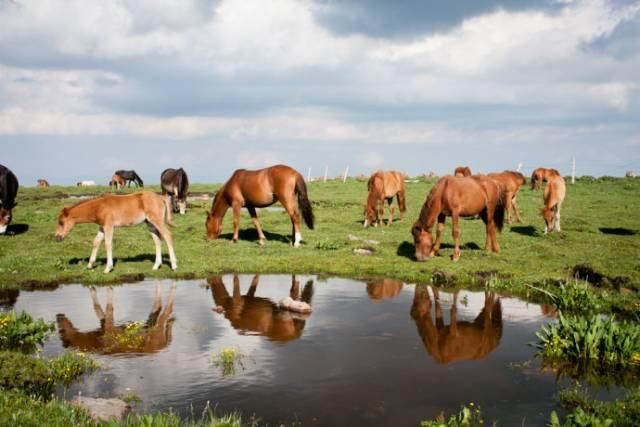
column 228, row 360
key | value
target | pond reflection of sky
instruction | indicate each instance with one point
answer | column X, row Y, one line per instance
column 359, row 358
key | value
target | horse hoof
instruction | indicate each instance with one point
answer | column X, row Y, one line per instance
column 108, row 270
column 455, row 258
column 174, row 268
column 156, row 267
column 261, row 242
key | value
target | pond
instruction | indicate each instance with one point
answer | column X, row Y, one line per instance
column 377, row 353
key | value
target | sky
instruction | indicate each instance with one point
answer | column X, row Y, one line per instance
column 91, row 86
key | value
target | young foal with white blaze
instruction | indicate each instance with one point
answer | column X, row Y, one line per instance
column 111, row 211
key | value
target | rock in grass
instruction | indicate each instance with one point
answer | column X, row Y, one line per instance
column 103, row 409
column 290, row 304
column 363, row 251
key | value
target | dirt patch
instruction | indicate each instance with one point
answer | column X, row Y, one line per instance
column 589, row 274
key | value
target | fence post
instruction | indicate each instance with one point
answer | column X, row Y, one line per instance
column 309, row 175
column 519, row 166
column 346, row 173
column 573, row 171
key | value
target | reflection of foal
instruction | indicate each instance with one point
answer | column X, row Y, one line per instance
column 252, row 315
column 111, row 339
column 460, row 340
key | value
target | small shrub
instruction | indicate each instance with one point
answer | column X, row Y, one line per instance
column 69, row 366
column 21, row 332
column 29, row 374
column 228, row 359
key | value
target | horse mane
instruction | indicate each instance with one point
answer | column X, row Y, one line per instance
column 434, row 195
column 183, row 183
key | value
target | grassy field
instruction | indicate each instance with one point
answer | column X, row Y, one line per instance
column 600, row 221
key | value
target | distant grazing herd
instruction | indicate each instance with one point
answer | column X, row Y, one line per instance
column 492, row 197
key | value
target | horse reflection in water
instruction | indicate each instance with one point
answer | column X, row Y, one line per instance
column 385, row 288
column 252, row 315
column 461, row 340
column 131, row 337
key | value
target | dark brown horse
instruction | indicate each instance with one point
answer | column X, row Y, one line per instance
column 258, row 189
column 541, row 174
column 461, row 340
column 252, row 315
column 8, row 192
column 150, row 337
column 510, row 182
column 176, row 183
column 458, row 197
column 462, row 171
column 384, row 185
column 129, row 177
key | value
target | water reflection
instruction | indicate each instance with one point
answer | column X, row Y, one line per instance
column 8, row 298
column 252, row 315
column 132, row 337
column 385, row 288
column 460, row 340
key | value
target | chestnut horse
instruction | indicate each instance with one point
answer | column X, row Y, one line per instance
column 462, row 171
column 384, row 185
column 554, row 194
column 258, row 189
column 252, row 315
column 458, row 197
column 117, row 181
column 510, row 182
column 8, row 191
column 153, row 336
column 43, row 183
column 460, row 340
column 110, row 210
column 541, row 174
column 176, row 183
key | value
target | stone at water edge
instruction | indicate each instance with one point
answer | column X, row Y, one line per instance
column 103, row 409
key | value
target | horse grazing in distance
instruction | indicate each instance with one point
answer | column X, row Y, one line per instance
column 541, row 174
column 510, row 182
column 258, row 189
column 252, row 315
column 86, row 183
column 117, row 182
column 384, row 185
column 111, row 210
column 458, row 197
column 129, row 177
column 385, row 288
column 462, row 171
column 176, row 183
column 43, row 183
column 152, row 336
column 460, row 340
column 8, row 192
column 554, row 194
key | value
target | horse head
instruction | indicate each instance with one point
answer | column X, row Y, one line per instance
column 423, row 242
column 65, row 224
column 5, row 218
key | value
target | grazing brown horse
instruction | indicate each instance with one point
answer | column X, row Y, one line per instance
column 117, row 182
column 461, row 340
column 258, row 189
column 384, row 185
column 152, row 336
column 541, row 174
column 458, row 197
column 554, row 194
column 130, row 176
column 462, row 171
column 510, row 182
column 43, row 183
column 176, row 183
column 110, row 210
column 8, row 192
column 385, row 288
column 251, row 315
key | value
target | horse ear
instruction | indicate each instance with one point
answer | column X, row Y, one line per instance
column 65, row 211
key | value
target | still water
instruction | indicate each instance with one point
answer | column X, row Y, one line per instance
column 377, row 353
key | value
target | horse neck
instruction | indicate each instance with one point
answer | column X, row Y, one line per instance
column 431, row 208
column 219, row 207
column 374, row 196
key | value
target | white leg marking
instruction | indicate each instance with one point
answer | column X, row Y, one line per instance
column 298, row 239
column 3, row 228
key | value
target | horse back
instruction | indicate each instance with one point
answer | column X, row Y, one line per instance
column 555, row 191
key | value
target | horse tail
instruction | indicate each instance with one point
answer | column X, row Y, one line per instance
column 402, row 202
column 138, row 180
column 534, row 178
column 498, row 211
column 168, row 219
column 303, row 201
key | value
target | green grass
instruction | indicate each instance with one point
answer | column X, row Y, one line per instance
column 601, row 228
column 585, row 411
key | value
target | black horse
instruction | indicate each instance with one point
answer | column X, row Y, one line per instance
column 130, row 176
column 176, row 183
column 8, row 192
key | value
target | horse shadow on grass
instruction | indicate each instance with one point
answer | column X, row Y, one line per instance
column 16, row 229
column 617, row 231
column 408, row 250
column 525, row 230
column 251, row 235
column 101, row 261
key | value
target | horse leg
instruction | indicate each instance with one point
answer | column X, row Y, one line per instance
column 108, row 320
column 556, row 217
column 108, row 244
column 436, row 246
column 254, row 286
column 155, row 235
column 381, row 211
column 439, row 320
column 508, row 207
column 236, row 221
column 453, row 318
column 456, row 231
column 256, row 223
column 294, row 292
column 96, row 305
column 391, row 208
column 289, row 206
column 96, row 245
column 516, row 208
column 166, row 235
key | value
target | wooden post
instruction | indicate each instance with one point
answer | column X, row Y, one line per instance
column 346, row 173
column 308, row 174
column 519, row 166
column 326, row 172
column 573, row 171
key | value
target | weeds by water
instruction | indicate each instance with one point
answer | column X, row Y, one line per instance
column 21, row 332
column 468, row 416
column 229, row 360
column 572, row 296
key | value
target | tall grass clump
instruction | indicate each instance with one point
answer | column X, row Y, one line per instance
column 21, row 332
column 572, row 296
column 590, row 344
